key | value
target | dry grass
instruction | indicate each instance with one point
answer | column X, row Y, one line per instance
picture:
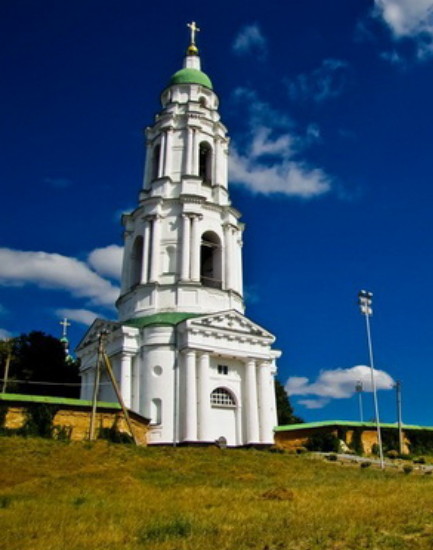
column 56, row 496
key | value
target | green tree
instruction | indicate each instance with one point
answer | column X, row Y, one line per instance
column 284, row 408
column 38, row 357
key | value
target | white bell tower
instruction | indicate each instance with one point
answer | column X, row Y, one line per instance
column 183, row 242
column 184, row 354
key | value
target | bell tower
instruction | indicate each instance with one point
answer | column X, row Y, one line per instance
column 184, row 354
column 183, row 242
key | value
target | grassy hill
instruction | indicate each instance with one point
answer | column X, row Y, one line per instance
column 101, row 496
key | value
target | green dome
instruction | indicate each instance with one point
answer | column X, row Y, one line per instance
column 191, row 76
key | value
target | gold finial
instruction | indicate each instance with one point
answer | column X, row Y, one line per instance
column 193, row 50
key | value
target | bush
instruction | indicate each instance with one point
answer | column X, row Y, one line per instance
column 407, row 469
column 332, row 457
column 419, row 460
column 392, row 454
column 365, row 464
column 301, row 450
column 323, row 442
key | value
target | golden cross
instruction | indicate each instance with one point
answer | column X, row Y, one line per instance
column 194, row 29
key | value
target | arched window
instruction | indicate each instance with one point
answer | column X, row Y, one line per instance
column 202, row 101
column 205, row 162
column 155, row 161
column 221, row 397
column 210, row 260
column 136, row 261
column 156, row 411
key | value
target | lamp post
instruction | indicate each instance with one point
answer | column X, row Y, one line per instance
column 365, row 299
column 399, row 421
column 359, row 388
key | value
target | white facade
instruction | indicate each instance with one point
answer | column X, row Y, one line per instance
column 184, row 354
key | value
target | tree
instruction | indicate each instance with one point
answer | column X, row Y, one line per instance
column 284, row 408
column 38, row 357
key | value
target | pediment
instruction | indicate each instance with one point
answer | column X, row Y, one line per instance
column 229, row 322
column 95, row 329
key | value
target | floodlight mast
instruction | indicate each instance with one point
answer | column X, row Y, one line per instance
column 365, row 300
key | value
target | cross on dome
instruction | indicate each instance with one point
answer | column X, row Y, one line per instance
column 194, row 29
column 65, row 326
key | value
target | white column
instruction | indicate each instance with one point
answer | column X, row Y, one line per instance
column 146, row 252
column 218, row 175
column 161, row 156
column 239, row 263
column 168, row 152
column 135, row 398
column 156, row 241
column 186, row 248
column 148, row 166
column 189, row 145
column 190, row 409
column 194, row 170
column 228, row 257
column 266, row 419
column 125, row 379
column 195, row 250
column 203, row 397
column 251, row 403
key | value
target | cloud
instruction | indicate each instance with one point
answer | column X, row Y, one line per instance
column 336, row 384
column 409, row 19
column 83, row 316
column 107, row 261
column 251, row 40
column 50, row 270
column 267, row 157
column 5, row 334
column 326, row 82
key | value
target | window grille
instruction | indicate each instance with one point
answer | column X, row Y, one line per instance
column 222, row 398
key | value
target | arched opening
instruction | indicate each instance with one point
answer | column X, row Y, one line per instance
column 136, row 261
column 156, row 411
column 155, row 161
column 202, row 101
column 170, row 259
column 210, row 260
column 221, row 397
column 205, row 162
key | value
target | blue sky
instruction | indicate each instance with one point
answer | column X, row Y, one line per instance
column 329, row 109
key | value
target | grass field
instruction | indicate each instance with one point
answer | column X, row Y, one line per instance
column 56, row 496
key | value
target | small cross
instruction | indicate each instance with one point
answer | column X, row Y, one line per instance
column 65, row 325
column 194, row 29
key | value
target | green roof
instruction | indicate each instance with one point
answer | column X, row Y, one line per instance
column 191, row 76
column 346, row 424
column 169, row 319
column 56, row 400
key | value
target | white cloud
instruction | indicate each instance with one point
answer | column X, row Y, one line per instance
column 409, row 19
column 270, row 162
column 326, row 82
column 250, row 40
column 336, row 384
column 83, row 316
column 107, row 261
column 5, row 334
column 50, row 270
column 313, row 403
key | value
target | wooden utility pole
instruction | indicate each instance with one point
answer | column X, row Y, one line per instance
column 103, row 360
column 96, row 388
column 7, row 365
column 118, row 394
column 399, row 420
